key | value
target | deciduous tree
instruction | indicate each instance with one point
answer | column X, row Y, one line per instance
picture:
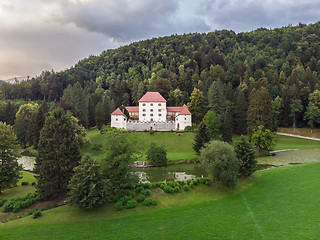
column 157, row 155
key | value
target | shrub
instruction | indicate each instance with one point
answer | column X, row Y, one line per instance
column 133, row 194
column 147, row 202
column 146, row 192
column 16, row 206
column 129, row 186
column 168, row 189
column 118, row 206
column 141, row 198
column 191, row 184
column 24, row 183
column 2, row 201
column 146, row 185
column 188, row 129
column 185, row 188
column 131, row 204
column 124, row 192
column 37, row 214
column 125, row 199
column 176, row 189
column 154, row 202
column 7, row 206
column 114, row 198
column 139, row 189
column 151, row 132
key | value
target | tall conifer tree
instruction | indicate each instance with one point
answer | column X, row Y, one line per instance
column 201, row 138
column 58, row 154
column 241, row 113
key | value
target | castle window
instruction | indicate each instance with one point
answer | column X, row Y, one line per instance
column 143, row 104
column 151, row 104
column 116, row 119
column 144, row 114
column 143, row 110
column 185, row 119
column 151, row 114
column 159, row 110
column 159, row 114
column 151, row 110
column 159, row 104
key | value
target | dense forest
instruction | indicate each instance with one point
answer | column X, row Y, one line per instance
column 275, row 70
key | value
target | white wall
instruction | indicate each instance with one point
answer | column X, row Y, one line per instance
column 118, row 121
column 152, row 110
column 183, row 121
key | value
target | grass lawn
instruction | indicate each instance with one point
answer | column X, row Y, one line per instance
column 301, row 131
column 178, row 145
column 280, row 203
column 20, row 191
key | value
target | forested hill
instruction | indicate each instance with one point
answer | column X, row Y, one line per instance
column 284, row 60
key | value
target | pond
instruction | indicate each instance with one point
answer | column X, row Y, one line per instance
column 181, row 172
column 27, row 162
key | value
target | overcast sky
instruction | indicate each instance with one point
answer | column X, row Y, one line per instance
column 37, row 35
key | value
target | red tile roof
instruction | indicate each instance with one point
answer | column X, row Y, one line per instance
column 174, row 109
column 118, row 112
column 132, row 109
column 152, row 97
column 185, row 110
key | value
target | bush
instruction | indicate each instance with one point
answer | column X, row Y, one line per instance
column 37, row 214
column 131, row 204
column 125, row 199
column 185, row 188
column 141, row 198
column 168, row 189
column 16, row 206
column 139, row 189
column 188, row 129
column 150, row 202
column 118, row 206
column 157, row 155
column 2, row 201
column 129, row 186
column 151, row 132
column 176, row 189
column 124, row 192
column 7, row 206
column 146, row 192
column 146, row 185
column 24, row 183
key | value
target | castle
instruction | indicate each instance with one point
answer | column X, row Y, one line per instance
column 152, row 114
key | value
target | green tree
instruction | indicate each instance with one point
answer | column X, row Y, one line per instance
column 9, row 167
column 314, row 98
column 213, row 123
column 157, row 155
column 263, row 139
column 120, row 155
column 99, row 114
column 201, row 137
column 276, row 107
column 87, row 186
column 216, row 98
column 246, row 155
column 241, row 113
column 197, row 105
column 296, row 107
column 77, row 99
column 259, row 110
column 227, row 126
column 312, row 115
column 220, row 162
column 58, row 154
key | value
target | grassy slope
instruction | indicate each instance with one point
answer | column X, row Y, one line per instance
column 179, row 145
column 281, row 203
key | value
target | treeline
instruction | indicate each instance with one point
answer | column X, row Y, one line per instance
column 283, row 63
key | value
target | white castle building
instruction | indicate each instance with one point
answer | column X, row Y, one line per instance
column 152, row 114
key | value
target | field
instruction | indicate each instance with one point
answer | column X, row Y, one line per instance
column 280, row 203
column 301, row 131
column 179, row 145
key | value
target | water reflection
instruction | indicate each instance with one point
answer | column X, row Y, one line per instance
column 181, row 172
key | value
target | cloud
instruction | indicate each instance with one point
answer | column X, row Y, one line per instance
column 247, row 15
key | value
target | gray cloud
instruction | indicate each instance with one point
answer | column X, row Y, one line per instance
column 246, row 15
column 37, row 35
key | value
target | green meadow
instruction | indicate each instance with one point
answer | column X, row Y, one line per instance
column 280, row 203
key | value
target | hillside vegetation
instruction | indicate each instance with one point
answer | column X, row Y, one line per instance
column 243, row 213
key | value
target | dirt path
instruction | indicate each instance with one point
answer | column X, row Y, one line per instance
column 292, row 135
